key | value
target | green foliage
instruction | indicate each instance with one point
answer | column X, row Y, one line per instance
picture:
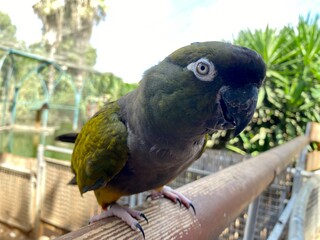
column 7, row 29
column 96, row 86
column 101, row 88
column 67, row 52
column 290, row 96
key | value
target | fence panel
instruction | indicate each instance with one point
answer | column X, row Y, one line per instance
column 312, row 223
column 305, row 217
column 17, row 197
column 63, row 205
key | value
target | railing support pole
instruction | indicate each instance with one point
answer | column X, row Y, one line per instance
column 251, row 221
column 39, row 189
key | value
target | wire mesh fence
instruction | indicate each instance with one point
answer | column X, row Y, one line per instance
column 63, row 206
column 17, row 197
column 312, row 223
column 271, row 204
column 305, row 217
column 211, row 161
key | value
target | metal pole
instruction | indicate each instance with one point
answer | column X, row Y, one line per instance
column 283, row 219
column 132, row 201
column 5, row 89
column 76, row 109
column 6, row 93
column 140, row 198
column 14, row 105
column 44, row 120
column 251, row 221
column 59, row 149
column 39, row 189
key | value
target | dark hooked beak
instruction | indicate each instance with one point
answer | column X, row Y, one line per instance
column 238, row 106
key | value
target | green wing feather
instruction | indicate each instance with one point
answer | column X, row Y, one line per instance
column 100, row 150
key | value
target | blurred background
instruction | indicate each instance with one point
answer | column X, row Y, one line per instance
column 61, row 60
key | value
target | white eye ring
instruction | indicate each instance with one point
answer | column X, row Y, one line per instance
column 203, row 69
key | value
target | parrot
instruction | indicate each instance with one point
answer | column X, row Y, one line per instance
column 145, row 139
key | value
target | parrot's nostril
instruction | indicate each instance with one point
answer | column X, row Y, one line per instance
column 226, row 115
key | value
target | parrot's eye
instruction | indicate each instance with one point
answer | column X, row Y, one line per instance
column 203, row 69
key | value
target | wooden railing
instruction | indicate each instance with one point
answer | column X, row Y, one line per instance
column 218, row 198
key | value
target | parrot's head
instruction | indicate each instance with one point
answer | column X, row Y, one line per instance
column 203, row 87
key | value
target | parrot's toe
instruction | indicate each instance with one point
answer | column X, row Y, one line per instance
column 174, row 196
column 126, row 214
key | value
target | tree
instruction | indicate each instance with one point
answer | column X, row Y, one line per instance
column 67, row 29
column 67, row 25
column 7, row 29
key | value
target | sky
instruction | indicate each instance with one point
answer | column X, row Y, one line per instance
column 138, row 34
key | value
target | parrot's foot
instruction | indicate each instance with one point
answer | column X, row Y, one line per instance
column 173, row 195
column 126, row 214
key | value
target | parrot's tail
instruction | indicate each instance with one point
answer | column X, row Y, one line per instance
column 68, row 137
column 73, row 181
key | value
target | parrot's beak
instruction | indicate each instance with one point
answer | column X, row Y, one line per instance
column 238, row 106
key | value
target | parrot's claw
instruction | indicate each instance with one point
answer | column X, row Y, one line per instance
column 144, row 217
column 174, row 196
column 126, row 214
column 138, row 226
column 193, row 208
column 178, row 200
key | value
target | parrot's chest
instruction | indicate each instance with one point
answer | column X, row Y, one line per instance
column 150, row 166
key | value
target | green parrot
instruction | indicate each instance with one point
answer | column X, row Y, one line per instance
column 148, row 137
